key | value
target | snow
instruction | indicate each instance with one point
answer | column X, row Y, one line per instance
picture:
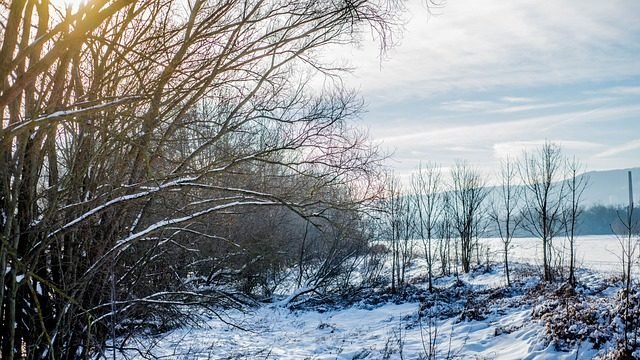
column 501, row 323
column 352, row 333
column 69, row 113
column 596, row 252
column 358, row 331
column 121, row 199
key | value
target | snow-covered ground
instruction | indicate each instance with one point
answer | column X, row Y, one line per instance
column 481, row 319
column 596, row 252
column 355, row 333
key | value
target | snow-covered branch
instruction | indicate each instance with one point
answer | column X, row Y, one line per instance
column 64, row 114
column 120, row 200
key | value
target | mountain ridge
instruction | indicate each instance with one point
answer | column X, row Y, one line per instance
column 610, row 187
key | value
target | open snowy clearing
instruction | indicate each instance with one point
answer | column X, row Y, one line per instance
column 479, row 320
column 353, row 333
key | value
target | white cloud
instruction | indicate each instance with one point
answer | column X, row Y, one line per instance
column 472, row 82
column 469, row 105
column 483, row 131
column 515, row 99
column 514, row 149
column 514, row 105
column 619, row 90
column 481, row 45
column 617, row 150
column 484, row 142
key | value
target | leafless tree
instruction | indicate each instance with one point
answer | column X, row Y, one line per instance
column 399, row 229
column 426, row 189
column 482, row 223
column 576, row 184
column 541, row 172
column 445, row 234
column 467, row 198
column 505, row 209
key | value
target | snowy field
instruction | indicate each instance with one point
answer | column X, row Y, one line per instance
column 354, row 333
column 479, row 320
column 597, row 252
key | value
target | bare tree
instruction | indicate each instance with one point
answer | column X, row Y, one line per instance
column 445, row 234
column 467, row 197
column 505, row 209
column 541, row 173
column 482, row 223
column 399, row 229
column 426, row 188
column 576, row 185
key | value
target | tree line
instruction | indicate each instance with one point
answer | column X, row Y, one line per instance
column 538, row 194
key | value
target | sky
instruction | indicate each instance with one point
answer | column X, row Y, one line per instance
column 480, row 80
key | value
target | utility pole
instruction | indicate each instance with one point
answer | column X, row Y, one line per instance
column 630, row 197
column 630, row 253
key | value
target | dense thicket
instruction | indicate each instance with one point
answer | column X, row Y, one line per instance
column 153, row 149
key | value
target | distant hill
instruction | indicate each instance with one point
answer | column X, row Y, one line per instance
column 607, row 187
column 610, row 187
column 606, row 196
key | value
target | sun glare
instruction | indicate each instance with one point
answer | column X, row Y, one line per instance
column 73, row 4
